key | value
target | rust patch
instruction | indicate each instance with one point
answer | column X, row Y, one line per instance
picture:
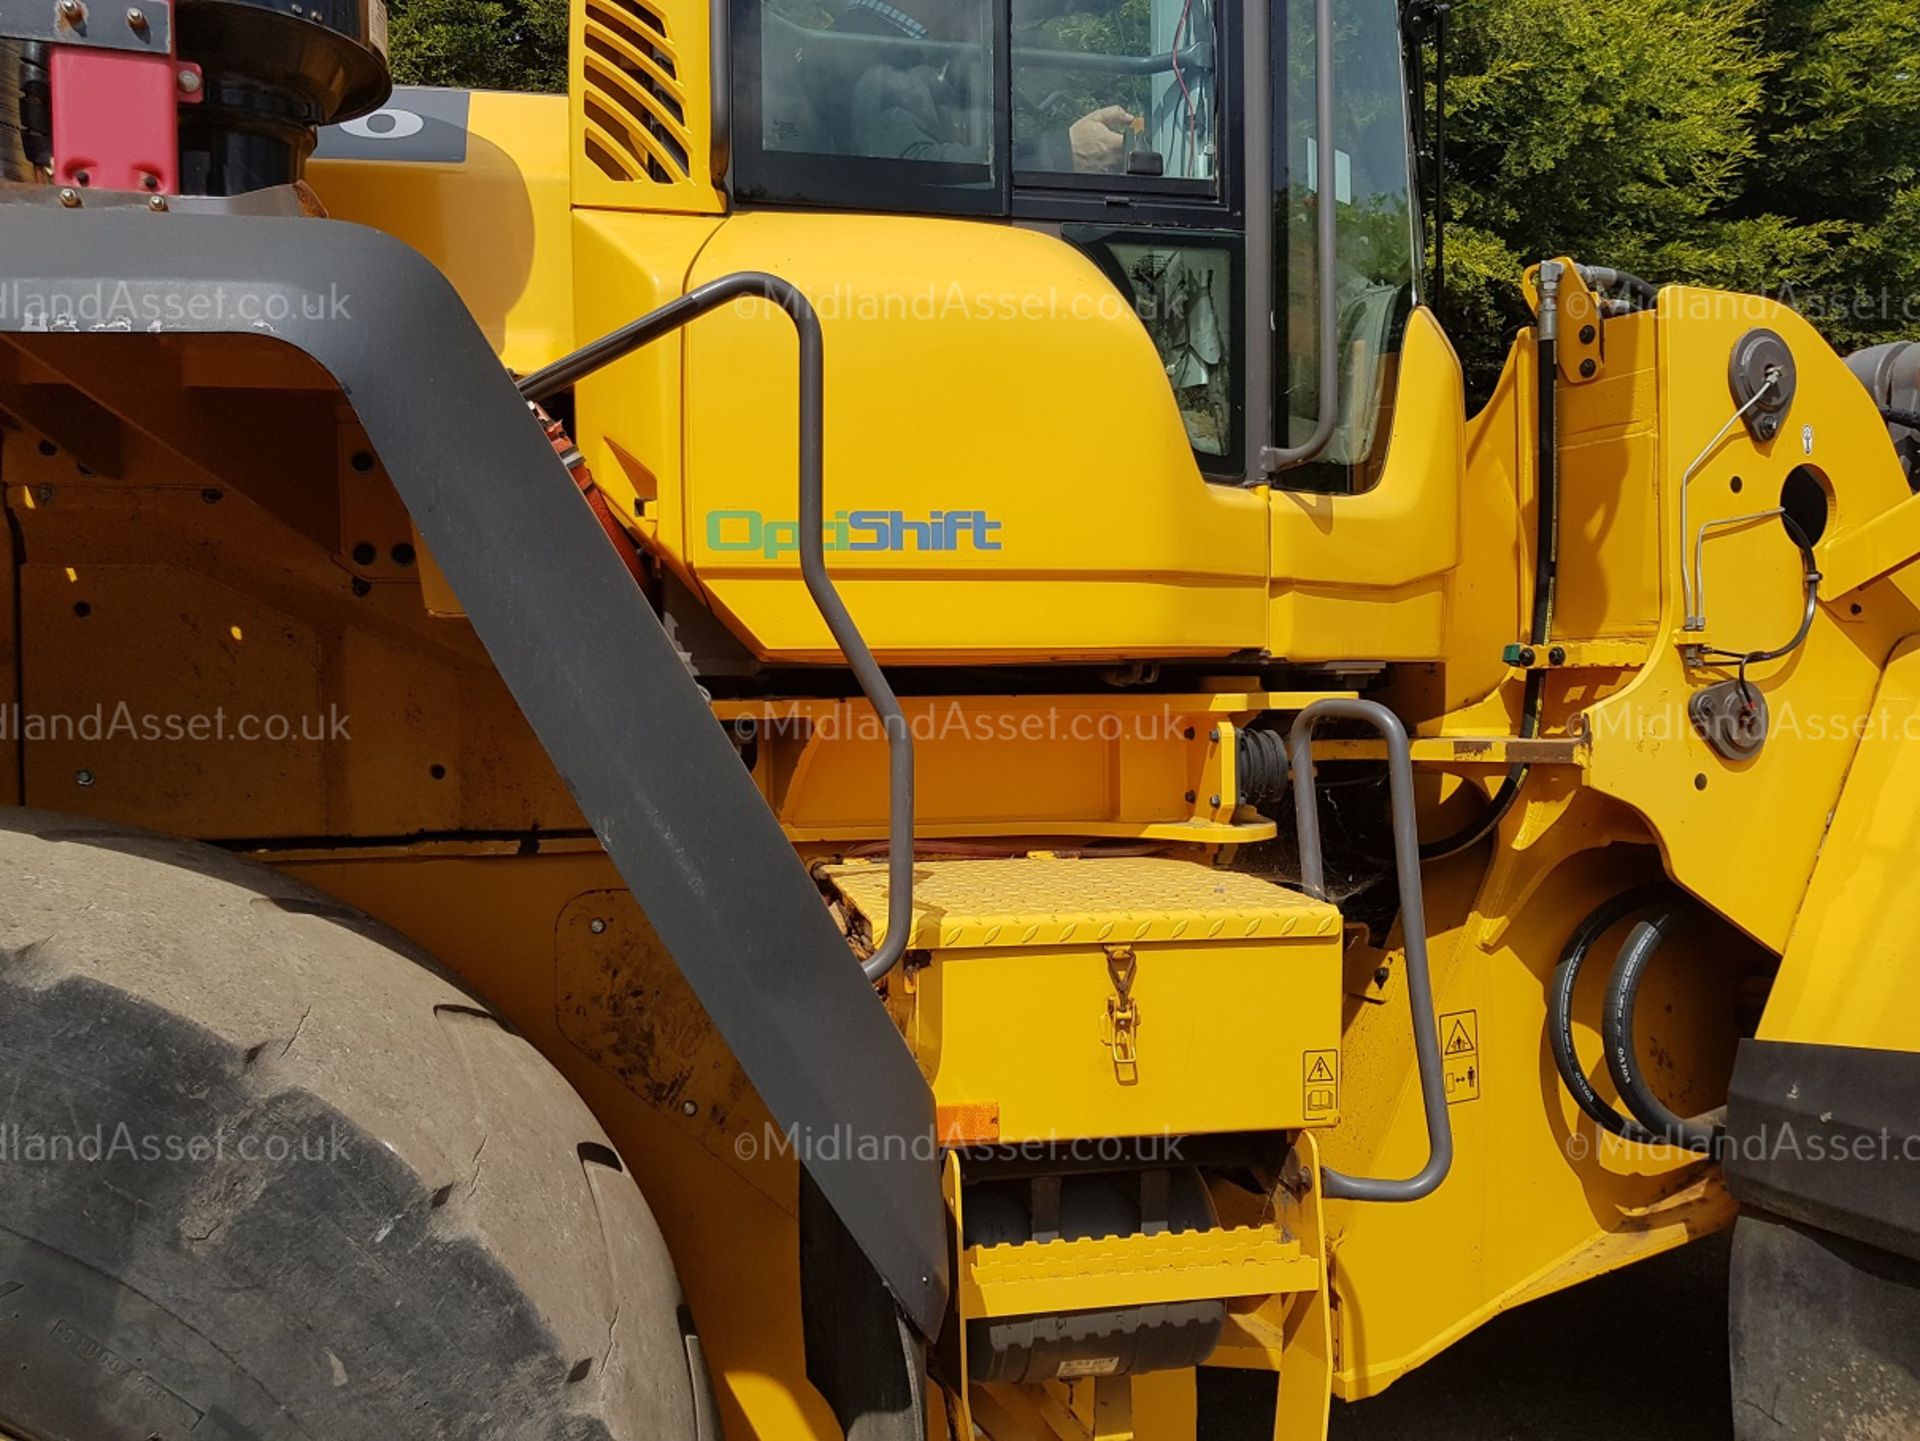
column 623, row 1002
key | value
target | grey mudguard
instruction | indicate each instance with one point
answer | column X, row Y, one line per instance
column 615, row 708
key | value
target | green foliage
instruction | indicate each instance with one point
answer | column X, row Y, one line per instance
column 480, row 44
column 1764, row 145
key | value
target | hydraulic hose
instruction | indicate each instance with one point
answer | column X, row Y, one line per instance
column 1641, row 294
column 1566, row 976
column 1546, row 567
column 1616, row 1031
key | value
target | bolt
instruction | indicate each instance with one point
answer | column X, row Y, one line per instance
column 1588, row 335
column 1382, row 976
column 1189, row 732
column 1192, row 797
column 212, row 496
column 689, row 1108
column 1214, row 735
column 44, row 495
column 1214, row 801
column 69, row 197
column 83, row 778
column 1589, row 369
column 1557, row 656
column 1526, row 657
column 156, row 203
column 71, row 11
column 597, row 926
column 189, row 81
column 137, row 19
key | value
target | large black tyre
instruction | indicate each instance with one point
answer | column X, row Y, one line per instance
column 267, row 1172
column 1825, row 1336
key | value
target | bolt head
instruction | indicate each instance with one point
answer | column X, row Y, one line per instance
column 1558, row 655
column 1589, row 368
column 137, row 18
column 1214, row 801
column 72, row 11
column 156, row 203
column 69, row 197
column 83, row 778
column 597, row 926
column 689, row 1108
column 189, row 81
column 1588, row 335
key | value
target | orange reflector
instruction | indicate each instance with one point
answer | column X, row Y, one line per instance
column 969, row 1123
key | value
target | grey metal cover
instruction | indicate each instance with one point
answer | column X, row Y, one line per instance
column 624, row 723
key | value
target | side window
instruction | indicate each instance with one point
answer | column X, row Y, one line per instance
column 1371, row 188
column 1106, row 89
column 868, row 103
column 1186, row 288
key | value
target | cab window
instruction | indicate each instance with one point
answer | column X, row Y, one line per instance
column 868, row 103
column 1375, row 218
column 979, row 106
column 1108, row 91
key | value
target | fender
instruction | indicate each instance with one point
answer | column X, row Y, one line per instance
column 616, row 710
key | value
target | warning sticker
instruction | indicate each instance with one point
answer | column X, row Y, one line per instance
column 1460, row 1054
column 1322, row 1075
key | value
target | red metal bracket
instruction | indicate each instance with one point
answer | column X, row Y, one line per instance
column 116, row 121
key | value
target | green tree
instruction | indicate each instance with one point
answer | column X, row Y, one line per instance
column 1764, row 145
column 480, row 44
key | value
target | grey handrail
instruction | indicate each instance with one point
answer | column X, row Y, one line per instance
column 1274, row 459
column 1413, row 924
column 669, row 318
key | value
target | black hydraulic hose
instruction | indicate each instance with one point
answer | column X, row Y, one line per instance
column 1546, row 570
column 1893, row 415
column 670, row 317
column 1643, row 294
column 1616, row 1033
column 1566, row 976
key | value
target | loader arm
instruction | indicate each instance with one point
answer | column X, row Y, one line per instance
column 611, row 701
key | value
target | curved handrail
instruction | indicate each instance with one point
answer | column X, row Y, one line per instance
column 671, row 317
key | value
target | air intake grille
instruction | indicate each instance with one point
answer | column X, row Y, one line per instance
column 636, row 110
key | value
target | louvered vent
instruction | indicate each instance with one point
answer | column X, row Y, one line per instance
column 636, row 110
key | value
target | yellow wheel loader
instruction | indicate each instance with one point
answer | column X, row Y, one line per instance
column 848, row 736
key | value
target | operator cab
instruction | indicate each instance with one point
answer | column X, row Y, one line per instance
column 1124, row 127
